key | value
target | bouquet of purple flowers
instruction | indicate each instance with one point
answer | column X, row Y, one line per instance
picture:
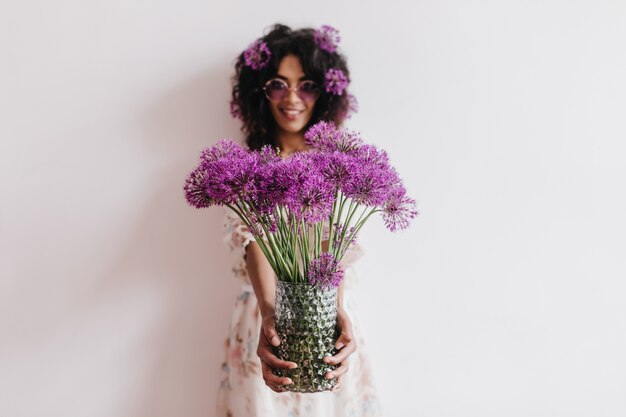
column 285, row 203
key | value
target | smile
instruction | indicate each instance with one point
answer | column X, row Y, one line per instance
column 291, row 112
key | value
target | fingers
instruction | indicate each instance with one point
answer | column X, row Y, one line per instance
column 348, row 347
column 339, row 371
column 273, row 381
column 265, row 353
column 268, row 330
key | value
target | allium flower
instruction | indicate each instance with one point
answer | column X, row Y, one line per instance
column 271, row 181
column 325, row 272
column 348, row 240
column 312, row 199
column 230, row 171
column 327, row 38
column 325, row 137
column 336, row 81
column 371, row 184
column 235, row 110
column 221, row 149
column 195, row 191
column 257, row 55
column 398, row 209
column 337, row 167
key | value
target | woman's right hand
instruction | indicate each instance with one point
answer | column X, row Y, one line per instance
column 268, row 339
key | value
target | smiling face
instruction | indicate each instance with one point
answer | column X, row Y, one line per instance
column 291, row 113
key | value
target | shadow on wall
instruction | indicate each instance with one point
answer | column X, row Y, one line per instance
column 177, row 251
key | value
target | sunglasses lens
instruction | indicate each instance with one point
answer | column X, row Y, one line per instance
column 276, row 90
column 308, row 91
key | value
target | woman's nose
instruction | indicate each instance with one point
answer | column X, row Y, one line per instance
column 292, row 96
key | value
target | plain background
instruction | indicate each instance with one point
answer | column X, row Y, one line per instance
column 506, row 119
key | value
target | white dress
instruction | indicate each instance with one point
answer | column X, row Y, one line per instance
column 242, row 391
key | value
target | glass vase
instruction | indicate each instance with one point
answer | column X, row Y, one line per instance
column 306, row 323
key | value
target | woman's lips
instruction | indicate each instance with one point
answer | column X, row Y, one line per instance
column 291, row 114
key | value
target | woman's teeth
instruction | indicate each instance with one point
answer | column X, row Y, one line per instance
column 291, row 113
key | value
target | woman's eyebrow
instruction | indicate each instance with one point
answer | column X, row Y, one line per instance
column 286, row 79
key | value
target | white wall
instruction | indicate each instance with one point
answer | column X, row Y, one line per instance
column 505, row 298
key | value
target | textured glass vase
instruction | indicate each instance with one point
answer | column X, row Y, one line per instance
column 306, row 323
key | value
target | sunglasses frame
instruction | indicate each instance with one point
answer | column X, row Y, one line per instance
column 288, row 89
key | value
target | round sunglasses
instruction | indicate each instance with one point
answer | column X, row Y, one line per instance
column 277, row 89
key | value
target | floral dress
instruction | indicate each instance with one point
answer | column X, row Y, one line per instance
column 242, row 391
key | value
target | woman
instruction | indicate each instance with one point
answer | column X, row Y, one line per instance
column 284, row 83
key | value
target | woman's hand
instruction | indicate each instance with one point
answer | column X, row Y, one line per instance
column 346, row 344
column 267, row 340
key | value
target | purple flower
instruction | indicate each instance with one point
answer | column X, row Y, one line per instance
column 195, row 191
column 370, row 185
column 298, row 184
column 257, row 55
column 325, row 137
column 337, row 167
column 348, row 240
column 325, row 272
column 398, row 209
column 336, row 81
column 229, row 171
column 327, row 38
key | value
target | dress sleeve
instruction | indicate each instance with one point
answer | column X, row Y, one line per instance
column 236, row 234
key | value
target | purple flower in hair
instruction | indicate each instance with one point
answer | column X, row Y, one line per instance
column 324, row 272
column 336, row 81
column 398, row 209
column 327, row 38
column 257, row 55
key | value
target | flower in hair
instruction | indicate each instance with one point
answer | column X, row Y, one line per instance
column 327, row 38
column 257, row 55
column 336, row 81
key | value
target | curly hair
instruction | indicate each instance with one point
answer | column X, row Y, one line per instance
column 249, row 102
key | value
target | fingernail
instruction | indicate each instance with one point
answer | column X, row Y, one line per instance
column 293, row 366
column 275, row 341
column 339, row 345
column 288, row 381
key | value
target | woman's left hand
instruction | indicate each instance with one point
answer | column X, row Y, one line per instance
column 346, row 344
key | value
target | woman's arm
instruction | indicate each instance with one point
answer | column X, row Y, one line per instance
column 263, row 282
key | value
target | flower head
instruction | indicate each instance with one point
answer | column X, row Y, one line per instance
column 327, row 38
column 325, row 137
column 229, row 171
column 398, row 209
column 325, row 272
column 257, row 55
column 195, row 191
column 302, row 189
column 336, row 81
column 370, row 185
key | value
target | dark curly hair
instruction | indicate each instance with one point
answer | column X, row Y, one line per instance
column 249, row 102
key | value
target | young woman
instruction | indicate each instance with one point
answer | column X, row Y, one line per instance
column 285, row 82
